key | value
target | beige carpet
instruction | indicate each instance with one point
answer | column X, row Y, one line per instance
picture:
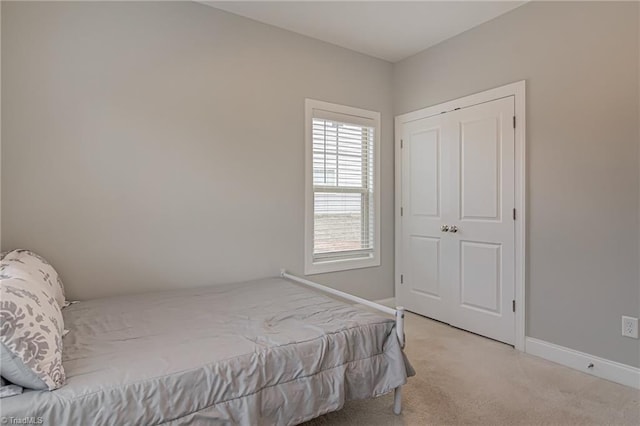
column 464, row 379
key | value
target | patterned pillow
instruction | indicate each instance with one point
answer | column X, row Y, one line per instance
column 27, row 262
column 31, row 328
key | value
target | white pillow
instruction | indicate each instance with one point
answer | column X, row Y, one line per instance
column 31, row 326
column 28, row 262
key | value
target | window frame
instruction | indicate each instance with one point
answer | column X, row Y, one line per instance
column 358, row 115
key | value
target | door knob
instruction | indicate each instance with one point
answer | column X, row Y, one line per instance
column 453, row 229
column 444, row 228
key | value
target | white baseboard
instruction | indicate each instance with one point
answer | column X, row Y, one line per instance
column 603, row 368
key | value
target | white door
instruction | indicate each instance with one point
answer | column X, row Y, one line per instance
column 458, row 233
column 425, row 175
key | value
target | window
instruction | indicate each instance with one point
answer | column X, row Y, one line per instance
column 342, row 203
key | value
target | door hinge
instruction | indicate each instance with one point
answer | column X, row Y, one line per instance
column 514, row 214
column 401, row 143
column 401, row 279
column 514, row 121
column 401, row 211
column 513, row 305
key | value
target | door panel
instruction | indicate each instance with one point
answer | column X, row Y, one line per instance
column 424, row 266
column 424, row 169
column 480, row 276
column 422, row 245
column 480, row 169
column 458, row 170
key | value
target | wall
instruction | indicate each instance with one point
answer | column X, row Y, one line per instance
column 154, row 145
column 580, row 61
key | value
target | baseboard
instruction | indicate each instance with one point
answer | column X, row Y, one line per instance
column 603, row 368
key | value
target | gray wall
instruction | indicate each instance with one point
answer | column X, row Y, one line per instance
column 152, row 145
column 580, row 61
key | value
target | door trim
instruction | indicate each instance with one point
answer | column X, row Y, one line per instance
column 517, row 90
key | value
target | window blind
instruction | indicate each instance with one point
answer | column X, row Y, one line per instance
column 343, row 192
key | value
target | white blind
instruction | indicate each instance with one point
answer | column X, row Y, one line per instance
column 343, row 193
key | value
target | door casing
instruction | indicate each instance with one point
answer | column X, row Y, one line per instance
column 517, row 90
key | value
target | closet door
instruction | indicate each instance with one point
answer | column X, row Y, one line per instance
column 426, row 177
column 482, row 184
column 457, row 230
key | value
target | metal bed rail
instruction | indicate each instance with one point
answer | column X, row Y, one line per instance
column 397, row 313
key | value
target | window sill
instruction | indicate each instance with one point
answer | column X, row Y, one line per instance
column 323, row 267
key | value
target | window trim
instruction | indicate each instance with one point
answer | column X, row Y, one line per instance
column 326, row 110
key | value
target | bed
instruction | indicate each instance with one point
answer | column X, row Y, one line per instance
column 265, row 352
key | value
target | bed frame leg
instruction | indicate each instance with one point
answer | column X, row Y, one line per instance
column 400, row 325
column 397, row 393
column 397, row 400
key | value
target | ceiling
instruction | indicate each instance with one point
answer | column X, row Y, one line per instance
column 389, row 30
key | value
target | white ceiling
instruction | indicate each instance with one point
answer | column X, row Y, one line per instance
column 390, row 30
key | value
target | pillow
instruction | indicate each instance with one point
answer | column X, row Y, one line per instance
column 31, row 327
column 7, row 389
column 27, row 262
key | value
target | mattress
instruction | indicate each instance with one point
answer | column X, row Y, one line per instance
column 263, row 352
